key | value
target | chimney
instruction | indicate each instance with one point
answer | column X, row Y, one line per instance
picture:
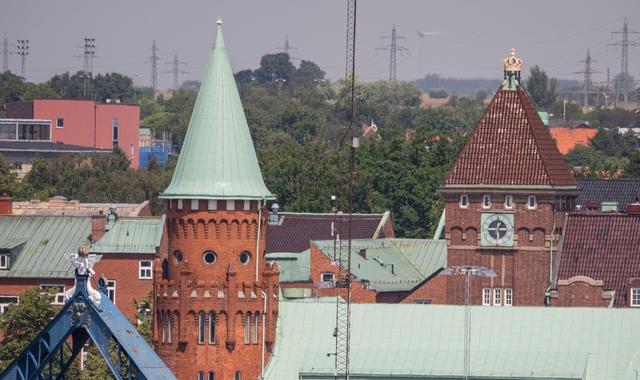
column 634, row 208
column 98, row 224
column 274, row 218
column 6, row 206
column 592, row 206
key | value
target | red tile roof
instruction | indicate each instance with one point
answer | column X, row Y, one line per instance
column 295, row 230
column 568, row 138
column 511, row 146
column 603, row 246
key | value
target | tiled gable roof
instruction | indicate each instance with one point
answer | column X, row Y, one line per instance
column 603, row 246
column 510, row 146
column 623, row 191
column 294, row 231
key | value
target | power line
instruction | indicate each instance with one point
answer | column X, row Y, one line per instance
column 154, row 66
column 624, row 82
column 175, row 70
column 393, row 49
column 5, row 54
column 23, row 52
column 587, row 72
column 286, row 47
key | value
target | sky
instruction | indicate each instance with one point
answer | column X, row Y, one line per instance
column 473, row 36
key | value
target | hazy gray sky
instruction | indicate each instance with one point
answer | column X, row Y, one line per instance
column 474, row 35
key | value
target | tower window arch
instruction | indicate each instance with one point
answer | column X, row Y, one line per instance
column 212, row 327
column 209, row 257
column 177, row 257
column 165, row 269
column 247, row 328
column 201, row 327
column 245, row 257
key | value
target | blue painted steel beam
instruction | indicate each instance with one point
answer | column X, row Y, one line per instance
column 81, row 319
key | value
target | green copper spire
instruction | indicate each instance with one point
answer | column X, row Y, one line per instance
column 217, row 160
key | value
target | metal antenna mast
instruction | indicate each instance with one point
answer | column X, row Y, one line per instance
column 587, row 86
column 175, row 70
column 23, row 52
column 624, row 83
column 154, row 66
column 393, row 49
column 342, row 331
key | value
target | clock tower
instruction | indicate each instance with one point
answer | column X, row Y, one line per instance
column 506, row 200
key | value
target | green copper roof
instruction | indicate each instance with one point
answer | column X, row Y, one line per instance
column 400, row 341
column 132, row 235
column 218, row 160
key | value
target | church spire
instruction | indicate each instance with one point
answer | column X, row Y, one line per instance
column 218, row 160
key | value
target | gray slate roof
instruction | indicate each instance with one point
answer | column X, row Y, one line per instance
column 623, row 191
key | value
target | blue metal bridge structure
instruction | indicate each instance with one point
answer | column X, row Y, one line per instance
column 88, row 314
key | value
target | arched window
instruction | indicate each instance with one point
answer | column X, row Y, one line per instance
column 247, row 329
column 169, row 327
column 164, row 331
column 256, row 322
column 212, row 327
column 165, row 269
column 201, row 327
column 238, row 375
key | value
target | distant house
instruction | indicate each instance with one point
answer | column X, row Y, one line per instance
column 568, row 138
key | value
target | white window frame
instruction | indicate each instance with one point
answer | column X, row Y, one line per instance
column 486, row 297
column 179, row 204
column 508, row 202
column 195, row 205
column 5, row 260
column 535, row 202
column 486, row 204
column 58, row 298
column 200, row 375
column 231, row 205
column 508, row 297
column 169, row 327
column 634, row 293
column 464, row 201
column 333, row 277
column 111, row 290
column 247, row 205
column 497, row 297
column 247, row 328
column 256, row 323
column 5, row 305
column 145, row 272
column 212, row 205
column 58, row 119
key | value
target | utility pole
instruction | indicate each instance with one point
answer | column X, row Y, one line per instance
column 175, row 70
column 393, row 49
column 624, row 83
column 287, row 48
column 154, row 66
column 587, row 85
column 23, row 52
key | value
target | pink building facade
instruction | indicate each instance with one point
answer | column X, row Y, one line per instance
column 86, row 123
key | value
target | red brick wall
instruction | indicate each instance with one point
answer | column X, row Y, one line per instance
column 525, row 268
column 434, row 290
column 582, row 293
column 17, row 286
column 123, row 269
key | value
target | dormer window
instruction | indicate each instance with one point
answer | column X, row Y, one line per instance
column 464, row 201
column 508, row 201
column 532, row 203
column 635, row 297
column 5, row 260
column 486, row 201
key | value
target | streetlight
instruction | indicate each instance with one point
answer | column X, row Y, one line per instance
column 468, row 271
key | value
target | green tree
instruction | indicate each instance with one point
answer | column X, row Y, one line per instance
column 113, row 86
column 22, row 322
column 570, row 110
column 543, row 90
column 632, row 170
column 438, row 93
column 307, row 74
column 8, row 179
column 38, row 91
column 12, row 88
column 69, row 86
column 274, row 66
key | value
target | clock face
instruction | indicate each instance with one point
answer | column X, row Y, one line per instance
column 497, row 230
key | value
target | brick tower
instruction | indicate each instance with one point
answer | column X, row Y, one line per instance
column 215, row 296
column 506, row 200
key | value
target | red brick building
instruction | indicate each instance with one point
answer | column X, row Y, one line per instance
column 216, row 298
column 33, row 249
column 506, row 200
column 81, row 123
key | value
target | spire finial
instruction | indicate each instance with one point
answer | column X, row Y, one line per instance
column 512, row 63
column 219, row 22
